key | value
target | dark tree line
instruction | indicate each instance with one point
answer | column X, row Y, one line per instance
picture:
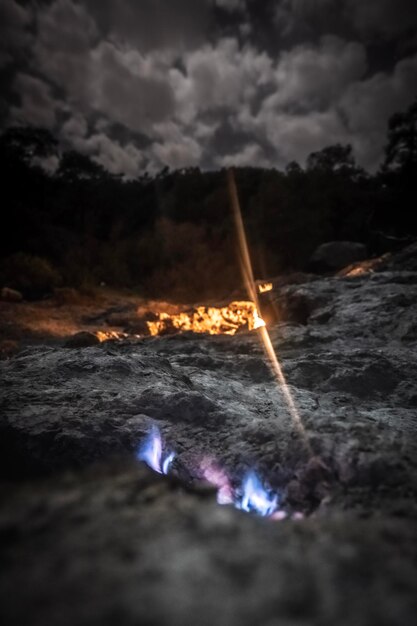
column 171, row 235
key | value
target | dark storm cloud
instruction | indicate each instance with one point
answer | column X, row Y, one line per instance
column 37, row 104
column 383, row 17
column 128, row 90
column 98, row 75
column 374, row 18
column 210, row 82
column 153, row 24
column 14, row 37
column 65, row 37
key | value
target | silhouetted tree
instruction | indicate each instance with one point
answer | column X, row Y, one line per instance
column 337, row 158
column 174, row 231
column 397, row 210
column 293, row 168
column 26, row 143
column 75, row 167
column 401, row 150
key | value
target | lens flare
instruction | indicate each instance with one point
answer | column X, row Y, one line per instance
column 248, row 277
column 150, row 452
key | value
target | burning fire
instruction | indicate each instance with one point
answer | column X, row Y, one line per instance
column 209, row 319
column 151, row 453
column 255, row 498
column 265, row 287
column 252, row 496
column 109, row 334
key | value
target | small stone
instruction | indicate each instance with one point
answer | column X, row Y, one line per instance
column 67, row 295
column 8, row 348
column 334, row 255
column 10, row 295
column 137, row 327
column 83, row 339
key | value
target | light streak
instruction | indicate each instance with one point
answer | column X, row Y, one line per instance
column 248, row 277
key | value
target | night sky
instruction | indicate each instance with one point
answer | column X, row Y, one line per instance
column 141, row 84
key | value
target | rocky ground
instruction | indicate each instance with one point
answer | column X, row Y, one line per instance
column 90, row 536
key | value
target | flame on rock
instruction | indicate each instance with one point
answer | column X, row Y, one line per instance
column 209, row 319
column 256, row 498
column 217, row 477
column 151, row 453
column 108, row 335
column 265, row 287
column 252, row 497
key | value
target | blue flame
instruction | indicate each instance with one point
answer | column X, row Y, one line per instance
column 150, row 453
column 255, row 498
column 252, row 497
column 167, row 462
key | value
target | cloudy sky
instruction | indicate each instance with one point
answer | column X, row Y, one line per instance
column 140, row 84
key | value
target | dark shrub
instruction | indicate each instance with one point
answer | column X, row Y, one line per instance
column 30, row 274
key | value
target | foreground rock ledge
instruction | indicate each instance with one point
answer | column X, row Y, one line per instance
column 88, row 545
column 121, row 546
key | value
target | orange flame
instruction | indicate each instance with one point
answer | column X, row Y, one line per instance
column 212, row 320
column 265, row 287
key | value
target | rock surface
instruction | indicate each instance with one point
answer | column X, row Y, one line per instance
column 334, row 255
column 83, row 339
column 83, row 544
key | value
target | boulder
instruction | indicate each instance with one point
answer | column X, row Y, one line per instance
column 8, row 348
column 10, row 295
column 335, row 255
column 289, row 305
column 83, row 339
column 67, row 295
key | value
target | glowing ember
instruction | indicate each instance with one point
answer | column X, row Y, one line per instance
column 255, row 498
column 265, row 287
column 150, row 453
column 109, row 335
column 217, row 477
column 209, row 319
column 362, row 268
